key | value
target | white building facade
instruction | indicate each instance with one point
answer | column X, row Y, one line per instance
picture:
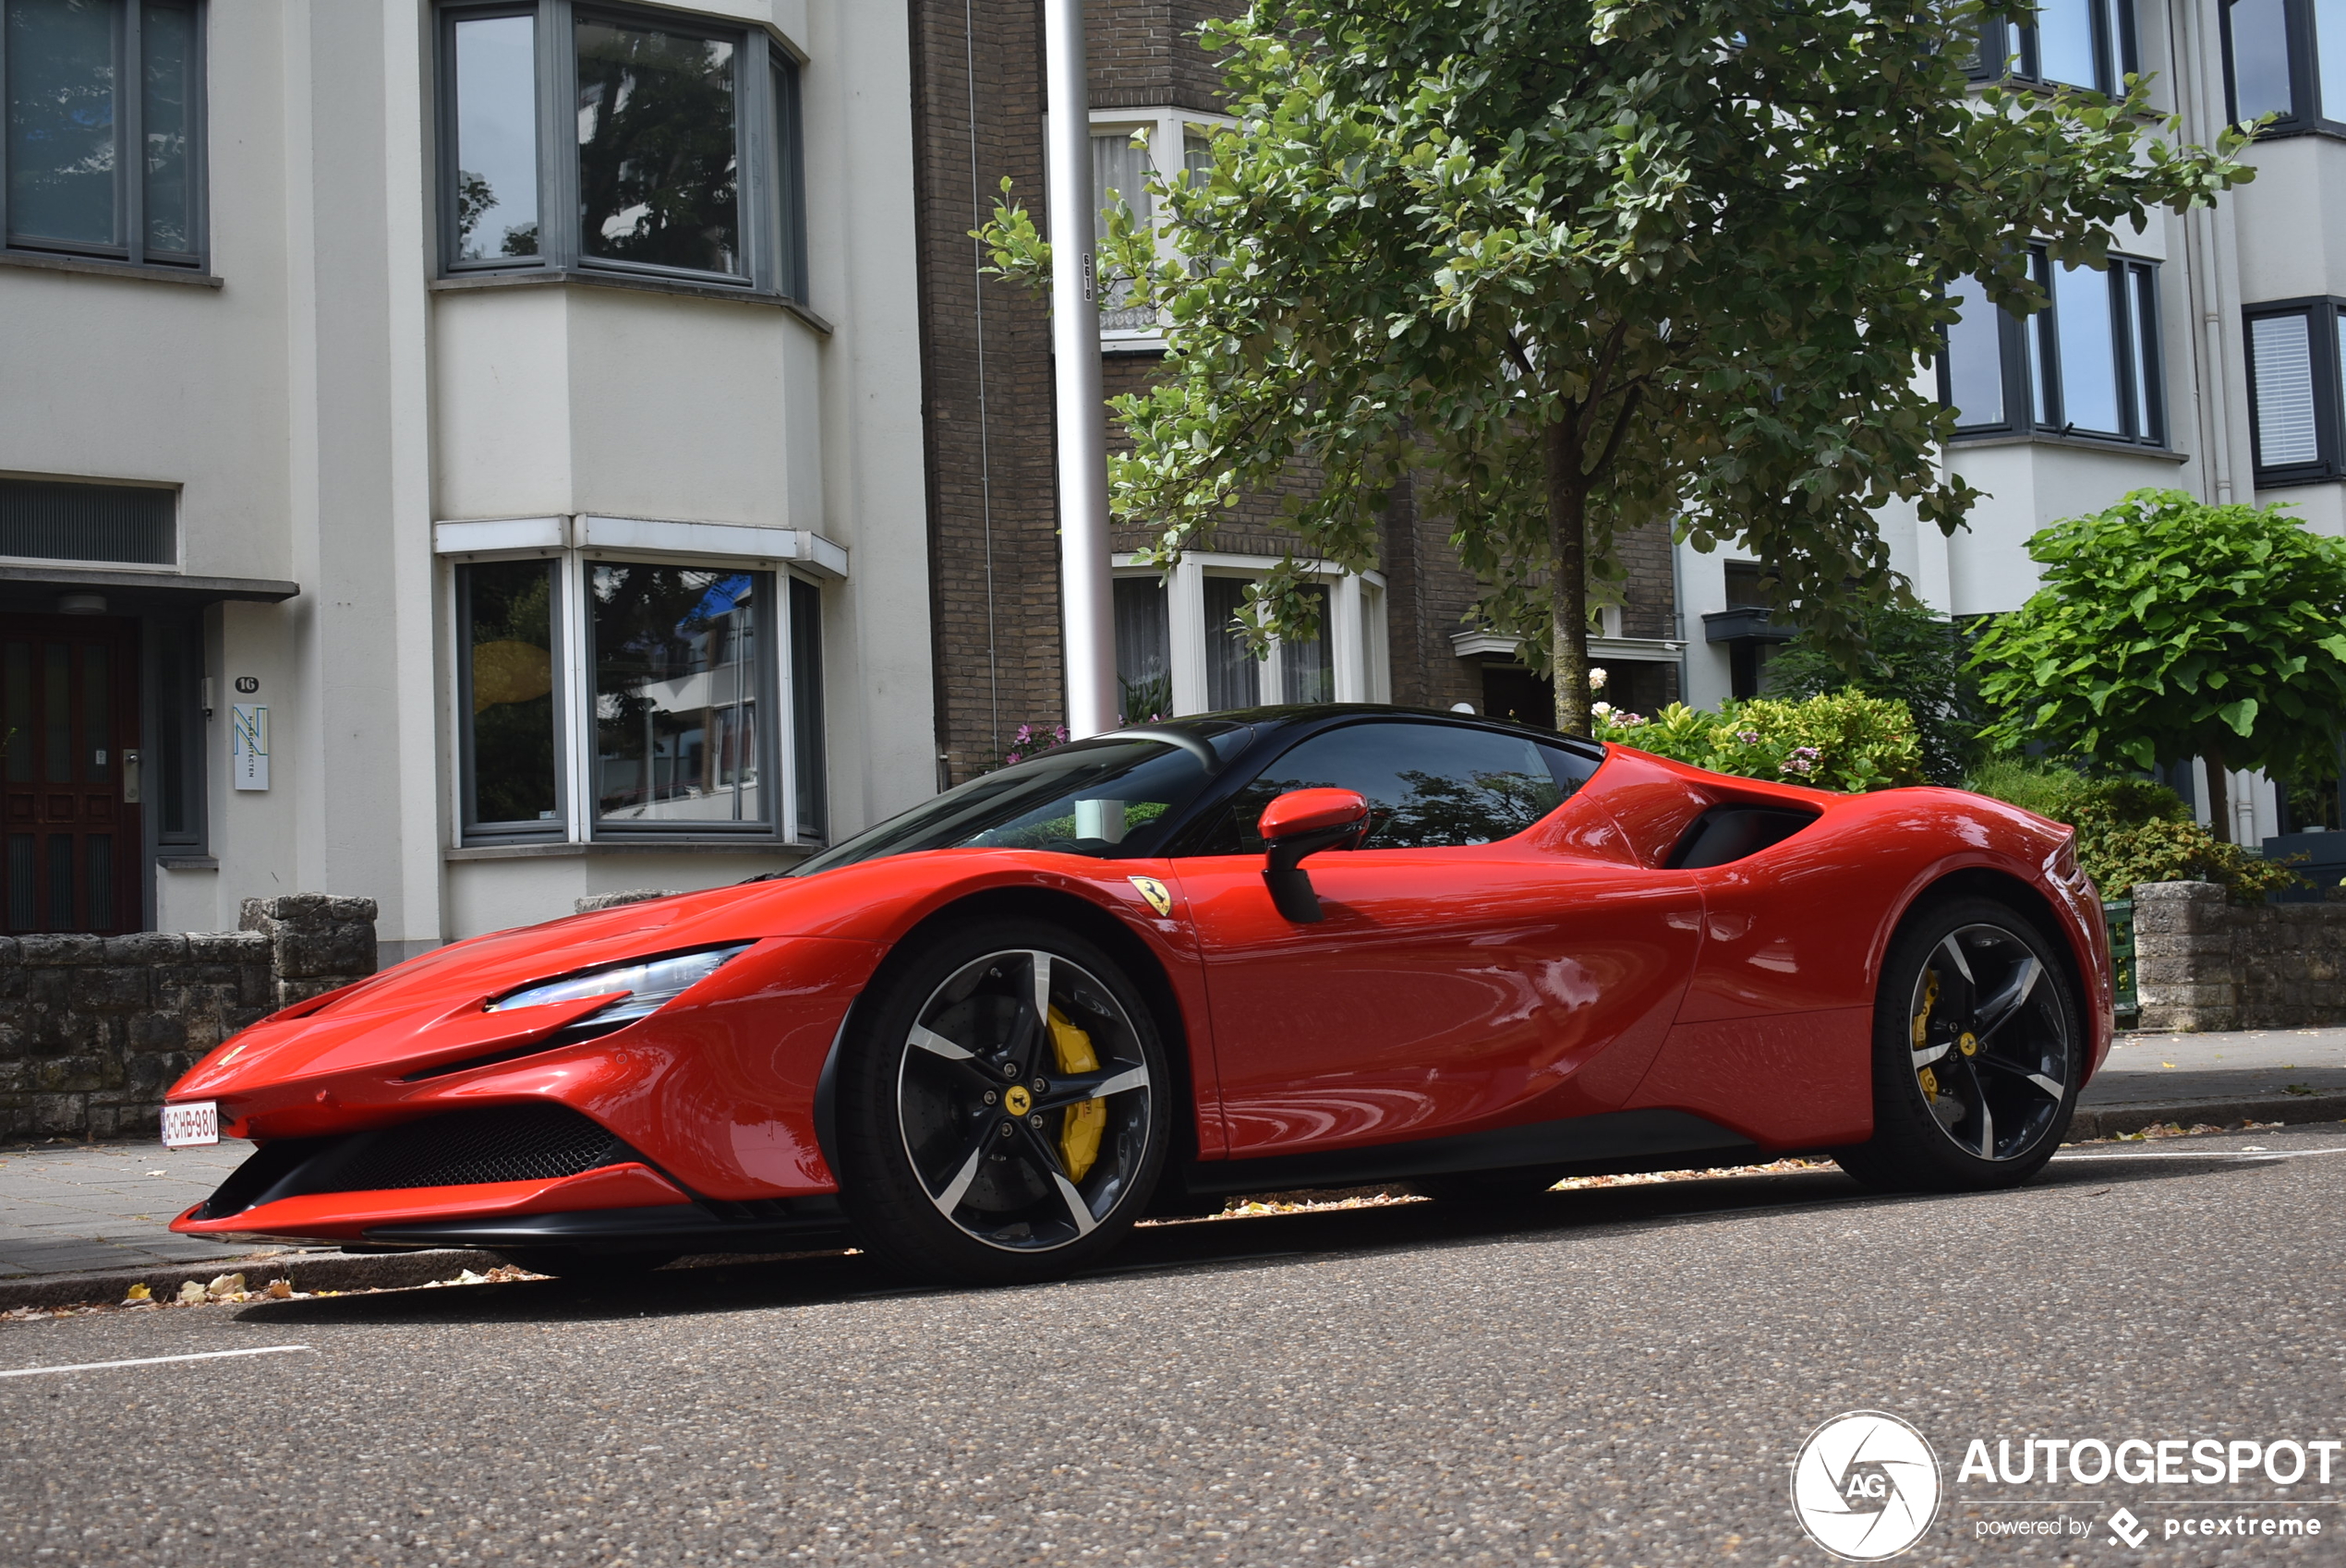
column 2204, row 358
column 458, row 454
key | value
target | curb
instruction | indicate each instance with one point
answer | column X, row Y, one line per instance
column 2108, row 1121
column 308, row 1271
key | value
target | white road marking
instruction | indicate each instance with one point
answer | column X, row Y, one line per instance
column 2205, row 1155
column 151, row 1360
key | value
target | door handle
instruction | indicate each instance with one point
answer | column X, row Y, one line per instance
column 130, row 777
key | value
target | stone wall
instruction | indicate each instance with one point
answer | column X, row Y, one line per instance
column 94, row 1029
column 2204, row 964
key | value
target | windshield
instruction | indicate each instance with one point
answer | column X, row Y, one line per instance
column 1110, row 798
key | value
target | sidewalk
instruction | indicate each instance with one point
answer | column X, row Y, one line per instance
column 98, row 1210
column 2254, row 1075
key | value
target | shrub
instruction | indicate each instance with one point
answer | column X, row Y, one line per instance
column 1843, row 741
column 2131, row 830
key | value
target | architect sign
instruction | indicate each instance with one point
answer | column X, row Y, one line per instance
column 249, row 745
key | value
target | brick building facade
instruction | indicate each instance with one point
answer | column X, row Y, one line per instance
column 978, row 116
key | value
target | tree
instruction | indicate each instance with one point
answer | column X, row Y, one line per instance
column 1576, row 266
column 2165, row 628
column 1904, row 652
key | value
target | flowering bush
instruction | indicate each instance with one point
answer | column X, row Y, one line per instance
column 1840, row 741
column 1029, row 741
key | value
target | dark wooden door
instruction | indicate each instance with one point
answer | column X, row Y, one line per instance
column 69, row 712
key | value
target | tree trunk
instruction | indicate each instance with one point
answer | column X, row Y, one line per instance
column 2220, row 813
column 1569, row 579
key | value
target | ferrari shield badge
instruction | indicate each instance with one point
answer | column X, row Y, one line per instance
column 1155, row 892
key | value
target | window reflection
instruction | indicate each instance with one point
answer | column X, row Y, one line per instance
column 657, row 148
column 496, row 138
column 167, row 34
column 2260, row 59
column 508, row 637
column 676, row 694
column 62, row 128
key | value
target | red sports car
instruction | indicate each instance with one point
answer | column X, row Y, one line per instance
column 1277, row 949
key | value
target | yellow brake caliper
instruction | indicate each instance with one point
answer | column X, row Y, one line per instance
column 1080, row 1126
column 1927, row 1079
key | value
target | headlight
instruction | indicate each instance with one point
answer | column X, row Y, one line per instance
column 650, row 985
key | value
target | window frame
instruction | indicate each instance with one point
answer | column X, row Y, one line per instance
column 2301, row 37
column 795, row 784
column 769, row 148
column 1354, row 627
column 2323, row 314
column 2017, row 53
column 130, row 189
column 2027, row 343
column 1166, row 126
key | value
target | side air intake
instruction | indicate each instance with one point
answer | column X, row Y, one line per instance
column 1729, row 833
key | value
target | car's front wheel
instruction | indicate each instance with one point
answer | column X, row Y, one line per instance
column 1979, row 1052
column 1003, row 1106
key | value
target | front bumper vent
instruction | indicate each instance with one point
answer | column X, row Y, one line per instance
column 532, row 1142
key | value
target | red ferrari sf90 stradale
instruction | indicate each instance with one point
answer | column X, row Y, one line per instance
column 1267, row 949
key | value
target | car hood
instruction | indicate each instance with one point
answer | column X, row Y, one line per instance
column 429, row 1009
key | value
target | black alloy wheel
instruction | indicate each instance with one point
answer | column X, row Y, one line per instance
column 1004, row 1112
column 1979, row 1053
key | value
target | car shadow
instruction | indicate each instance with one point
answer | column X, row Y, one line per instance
column 1205, row 1246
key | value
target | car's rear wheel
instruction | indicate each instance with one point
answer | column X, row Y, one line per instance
column 1003, row 1106
column 1979, row 1052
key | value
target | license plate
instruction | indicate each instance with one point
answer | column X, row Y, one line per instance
column 186, row 1125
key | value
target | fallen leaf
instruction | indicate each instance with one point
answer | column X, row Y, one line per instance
column 227, row 1285
column 281, row 1290
column 192, row 1292
column 139, row 1293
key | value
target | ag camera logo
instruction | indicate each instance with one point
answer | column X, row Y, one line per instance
column 1865, row 1486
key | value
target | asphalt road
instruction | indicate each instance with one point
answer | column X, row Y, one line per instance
column 1616, row 1376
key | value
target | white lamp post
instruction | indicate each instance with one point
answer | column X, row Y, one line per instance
column 1087, row 597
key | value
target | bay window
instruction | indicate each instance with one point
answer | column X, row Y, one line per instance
column 102, row 138
column 655, row 144
column 2087, row 365
column 2293, row 390
column 2287, row 58
column 1178, row 648
column 613, row 699
column 2088, row 43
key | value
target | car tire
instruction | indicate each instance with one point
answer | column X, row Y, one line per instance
column 972, row 1148
column 1979, row 1053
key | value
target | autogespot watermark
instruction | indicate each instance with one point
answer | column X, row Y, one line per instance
column 1867, row 1486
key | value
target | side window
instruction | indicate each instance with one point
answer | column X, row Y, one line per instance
column 1428, row 785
